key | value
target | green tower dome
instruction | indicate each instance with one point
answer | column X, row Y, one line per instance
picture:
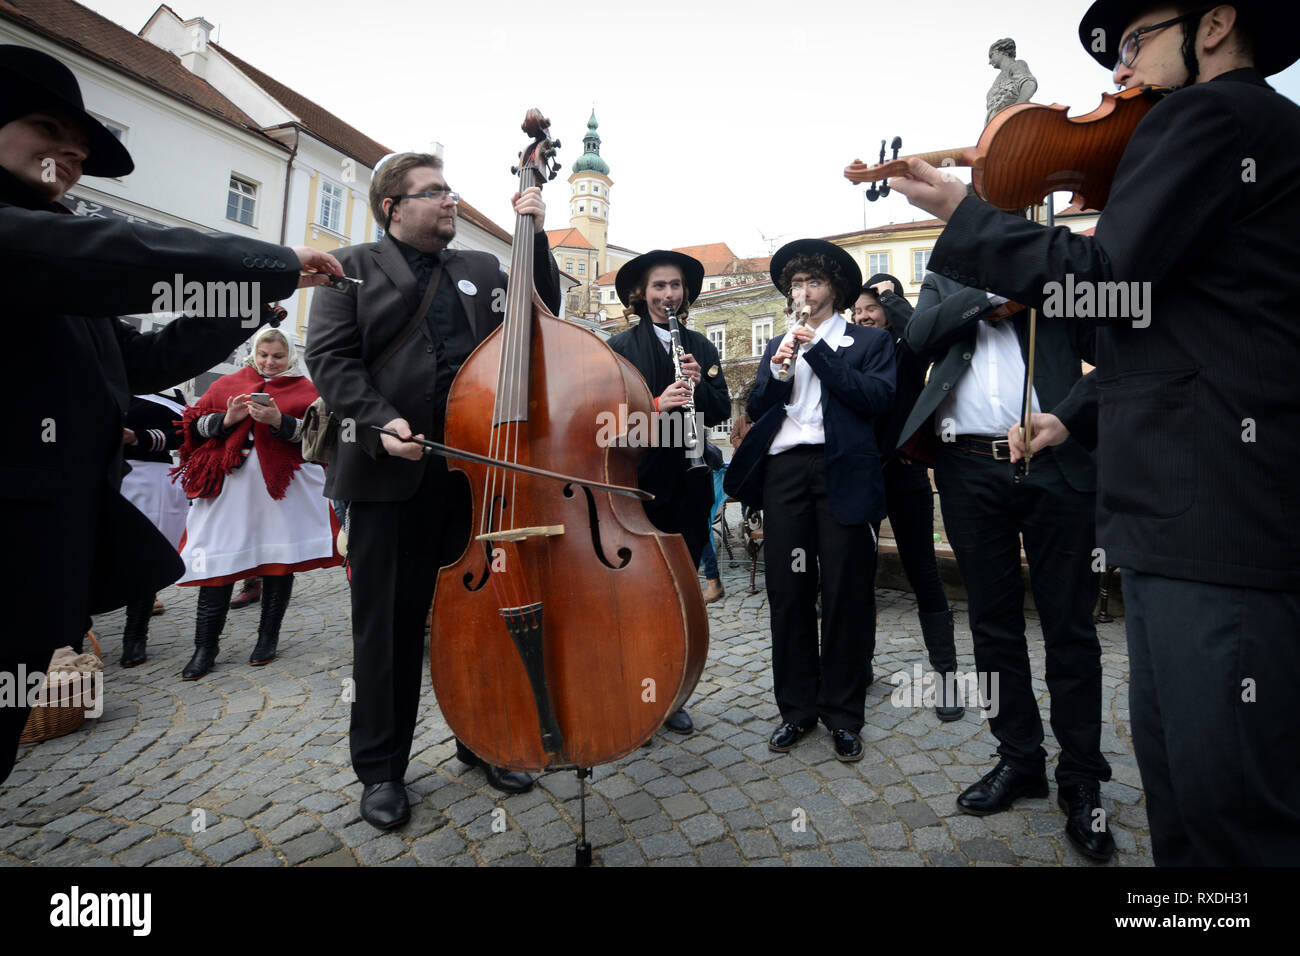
column 590, row 161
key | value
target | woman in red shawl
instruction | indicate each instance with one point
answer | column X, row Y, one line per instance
column 257, row 507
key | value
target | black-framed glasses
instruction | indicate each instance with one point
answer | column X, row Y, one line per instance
column 438, row 194
column 1132, row 45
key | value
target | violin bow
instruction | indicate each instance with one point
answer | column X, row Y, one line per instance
column 446, row 451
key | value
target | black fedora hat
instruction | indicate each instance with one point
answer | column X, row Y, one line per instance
column 31, row 80
column 849, row 288
column 1276, row 37
column 630, row 273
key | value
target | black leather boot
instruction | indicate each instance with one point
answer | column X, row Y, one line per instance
column 136, row 635
column 214, row 602
column 275, row 600
column 936, row 629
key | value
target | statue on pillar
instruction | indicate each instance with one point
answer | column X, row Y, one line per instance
column 1014, row 83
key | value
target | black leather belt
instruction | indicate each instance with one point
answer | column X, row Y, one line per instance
column 989, row 446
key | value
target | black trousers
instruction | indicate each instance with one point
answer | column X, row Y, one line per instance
column 395, row 550
column 684, row 509
column 985, row 512
column 911, row 516
column 1213, row 675
column 45, row 567
column 805, row 546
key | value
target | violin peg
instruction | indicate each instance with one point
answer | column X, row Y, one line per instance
column 896, row 145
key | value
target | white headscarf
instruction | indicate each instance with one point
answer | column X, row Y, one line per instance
column 266, row 331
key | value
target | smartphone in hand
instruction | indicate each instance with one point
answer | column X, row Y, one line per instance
column 262, row 398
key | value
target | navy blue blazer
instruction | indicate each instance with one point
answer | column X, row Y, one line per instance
column 857, row 388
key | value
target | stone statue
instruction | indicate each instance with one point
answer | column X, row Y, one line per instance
column 1014, row 84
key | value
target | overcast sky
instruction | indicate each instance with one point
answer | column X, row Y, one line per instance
column 725, row 122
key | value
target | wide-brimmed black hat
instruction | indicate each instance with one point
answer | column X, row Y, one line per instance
column 31, row 80
column 1276, row 35
column 881, row 277
column 848, row 289
column 632, row 272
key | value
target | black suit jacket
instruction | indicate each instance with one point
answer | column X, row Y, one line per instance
column 1198, row 412
column 348, row 330
column 76, row 366
column 857, row 389
column 944, row 328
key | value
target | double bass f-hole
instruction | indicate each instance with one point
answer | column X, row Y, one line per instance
column 874, row 191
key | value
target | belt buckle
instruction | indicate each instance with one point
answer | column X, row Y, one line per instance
column 1001, row 441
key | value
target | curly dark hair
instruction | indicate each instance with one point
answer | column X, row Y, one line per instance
column 636, row 304
column 815, row 266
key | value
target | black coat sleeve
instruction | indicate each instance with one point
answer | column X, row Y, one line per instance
column 1078, row 411
column 182, row 349
column 712, row 398
column 868, row 390
column 82, row 266
column 546, row 274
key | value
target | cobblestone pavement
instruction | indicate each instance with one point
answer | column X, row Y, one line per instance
column 259, row 756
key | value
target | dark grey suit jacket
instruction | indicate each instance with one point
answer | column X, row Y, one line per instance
column 943, row 329
column 349, row 330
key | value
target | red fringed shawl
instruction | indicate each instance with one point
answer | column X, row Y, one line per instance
column 205, row 463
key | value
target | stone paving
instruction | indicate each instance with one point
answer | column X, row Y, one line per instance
column 250, row 767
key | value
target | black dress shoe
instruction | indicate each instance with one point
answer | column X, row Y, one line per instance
column 785, row 737
column 998, row 789
column 1083, row 815
column 384, row 805
column 134, row 652
column 848, row 745
column 507, row 781
column 680, row 722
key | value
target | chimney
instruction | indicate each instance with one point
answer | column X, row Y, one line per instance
column 198, row 32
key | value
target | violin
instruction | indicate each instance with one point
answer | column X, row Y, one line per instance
column 1029, row 151
column 570, row 628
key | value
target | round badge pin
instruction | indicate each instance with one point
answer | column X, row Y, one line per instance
column 846, row 341
column 467, row 287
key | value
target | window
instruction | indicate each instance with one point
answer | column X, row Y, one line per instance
column 877, row 262
column 595, row 187
column 762, row 333
column 713, row 285
column 331, row 206
column 920, row 262
column 582, row 187
column 581, row 208
column 241, row 201
column 717, row 334
column 582, row 268
column 568, row 266
column 573, row 302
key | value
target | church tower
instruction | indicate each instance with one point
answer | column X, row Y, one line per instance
column 589, row 194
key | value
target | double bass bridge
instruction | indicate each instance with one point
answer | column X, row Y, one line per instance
column 523, row 534
column 525, row 627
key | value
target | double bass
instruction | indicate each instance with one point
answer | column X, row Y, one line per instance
column 570, row 628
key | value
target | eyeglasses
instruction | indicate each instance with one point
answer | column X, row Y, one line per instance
column 1132, row 45
column 808, row 284
column 438, row 194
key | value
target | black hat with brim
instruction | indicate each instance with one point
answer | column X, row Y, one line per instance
column 31, row 81
column 881, row 277
column 1277, row 43
column 848, row 290
column 630, row 273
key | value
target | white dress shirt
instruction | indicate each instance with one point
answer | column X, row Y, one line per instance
column 803, row 416
column 987, row 399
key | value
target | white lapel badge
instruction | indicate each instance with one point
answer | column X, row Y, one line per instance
column 467, row 287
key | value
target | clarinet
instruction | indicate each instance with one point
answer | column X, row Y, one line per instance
column 690, row 437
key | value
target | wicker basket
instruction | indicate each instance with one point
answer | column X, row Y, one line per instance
column 49, row 720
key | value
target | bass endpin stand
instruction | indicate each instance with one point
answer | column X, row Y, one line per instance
column 582, row 852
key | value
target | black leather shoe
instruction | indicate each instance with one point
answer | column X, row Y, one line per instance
column 1083, row 816
column 947, row 708
column 680, row 722
column 848, row 745
column 384, row 805
column 507, row 781
column 998, row 789
column 785, row 737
